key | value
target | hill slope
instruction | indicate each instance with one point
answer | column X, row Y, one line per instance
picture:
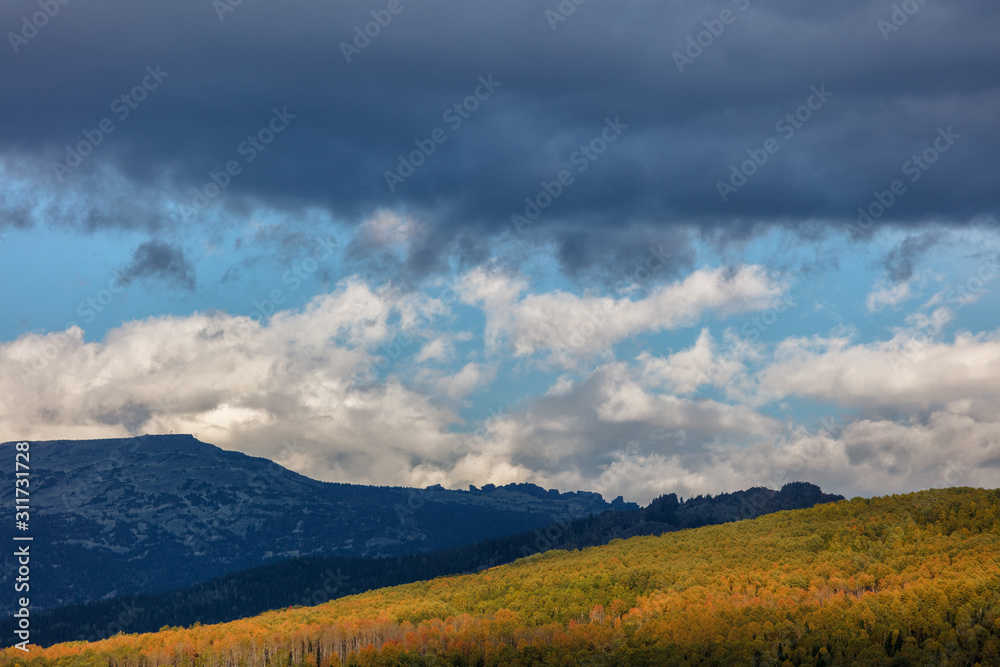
column 316, row 579
column 155, row 513
column 901, row 580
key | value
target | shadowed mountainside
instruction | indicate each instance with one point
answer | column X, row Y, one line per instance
column 154, row 513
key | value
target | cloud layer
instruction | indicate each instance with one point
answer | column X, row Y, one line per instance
column 637, row 247
column 351, row 387
column 190, row 91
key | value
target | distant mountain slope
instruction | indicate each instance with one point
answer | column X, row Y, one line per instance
column 900, row 580
column 312, row 580
column 153, row 513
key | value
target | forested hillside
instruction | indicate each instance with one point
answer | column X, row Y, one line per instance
column 316, row 579
column 899, row 580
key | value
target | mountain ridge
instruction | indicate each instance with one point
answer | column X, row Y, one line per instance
column 151, row 513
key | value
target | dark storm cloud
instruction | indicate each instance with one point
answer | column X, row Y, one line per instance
column 156, row 259
column 226, row 78
column 899, row 262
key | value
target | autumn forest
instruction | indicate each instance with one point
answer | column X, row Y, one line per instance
column 899, row 580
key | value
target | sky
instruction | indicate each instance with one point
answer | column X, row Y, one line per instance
column 631, row 247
